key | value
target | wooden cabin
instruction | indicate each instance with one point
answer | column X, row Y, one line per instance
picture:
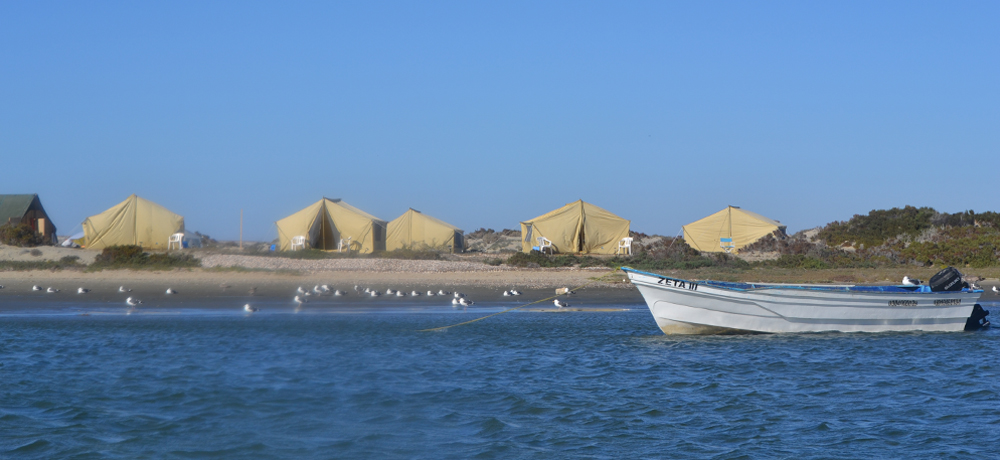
column 26, row 209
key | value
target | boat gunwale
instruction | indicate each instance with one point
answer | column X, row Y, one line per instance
column 803, row 287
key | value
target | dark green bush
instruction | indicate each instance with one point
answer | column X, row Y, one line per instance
column 20, row 235
column 131, row 256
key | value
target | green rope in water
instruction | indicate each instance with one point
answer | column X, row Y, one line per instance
column 505, row 311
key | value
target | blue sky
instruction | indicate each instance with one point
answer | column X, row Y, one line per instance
column 486, row 114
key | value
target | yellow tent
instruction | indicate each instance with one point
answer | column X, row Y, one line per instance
column 415, row 230
column 578, row 227
column 133, row 221
column 327, row 221
column 743, row 227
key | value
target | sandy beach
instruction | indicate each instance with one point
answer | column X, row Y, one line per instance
column 228, row 275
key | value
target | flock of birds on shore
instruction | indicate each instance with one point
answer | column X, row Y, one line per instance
column 458, row 298
column 302, row 295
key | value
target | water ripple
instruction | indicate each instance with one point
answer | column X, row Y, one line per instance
column 523, row 385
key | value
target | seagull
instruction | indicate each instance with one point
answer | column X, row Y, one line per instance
column 132, row 302
column 995, row 290
column 307, row 294
column 299, row 300
column 441, row 292
column 567, row 291
column 390, row 291
column 560, row 303
column 506, row 293
column 400, row 294
column 465, row 302
column 338, row 292
column 51, row 290
column 325, row 288
column 374, row 293
column 367, row 290
column 171, row 291
column 429, row 293
column 122, row 289
column 82, row 291
column 317, row 290
column 515, row 292
column 454, row 301
column 414, row 294
column 459, row 295
column 36, row 288
column 1, row 287
column 910, row 281
column 247, row 308
column 300, row 290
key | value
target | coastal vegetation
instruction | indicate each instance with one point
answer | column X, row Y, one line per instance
column 881, row 239
column 21, row 235
column 134, row 257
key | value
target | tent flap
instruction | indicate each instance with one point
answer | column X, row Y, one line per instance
column 578, row 227
column 327, row 221
column 744, row 227
column 133, row 221
column 415, row 230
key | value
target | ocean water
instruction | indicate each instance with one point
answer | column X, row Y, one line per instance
column 205, row 381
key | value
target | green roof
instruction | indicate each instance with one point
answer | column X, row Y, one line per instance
column 15, row 206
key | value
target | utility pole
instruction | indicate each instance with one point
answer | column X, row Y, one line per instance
column 241, row 229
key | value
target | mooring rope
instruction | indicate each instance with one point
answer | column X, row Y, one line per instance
column 507, row 310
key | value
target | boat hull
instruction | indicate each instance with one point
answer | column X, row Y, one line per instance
column 684, row 307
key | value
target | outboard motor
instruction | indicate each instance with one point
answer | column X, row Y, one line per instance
column 949, row 279
column 978, row 319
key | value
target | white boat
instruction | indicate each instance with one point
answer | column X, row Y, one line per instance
column 712, row 307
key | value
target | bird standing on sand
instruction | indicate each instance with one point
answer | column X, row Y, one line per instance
column 122, row 289
column 36, row 288
column 454, row 301
column 400, row 294
column 170, row 291
column 300, row 290
column 442, row 292
column 911, row 281
column 82, row 291
column 338, row 292
column 51, row 290
column 414, row 294
column 465, row 302
column 459, row 295
column 299, row 300
column 560, row 303
column 515, row 292
column 374, row 293
column 506, row 293
column 429, row 293
column 247, row 308
column 995, row 290
column 133, row 302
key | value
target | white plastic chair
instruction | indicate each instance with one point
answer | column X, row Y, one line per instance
column 727, row 244
column 543, row 243
column 298, row 242
column 176, row 238
column 625, row 246
column 344, row 244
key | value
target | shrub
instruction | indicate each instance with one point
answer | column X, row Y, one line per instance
column 21, row 235
column 131, row 256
